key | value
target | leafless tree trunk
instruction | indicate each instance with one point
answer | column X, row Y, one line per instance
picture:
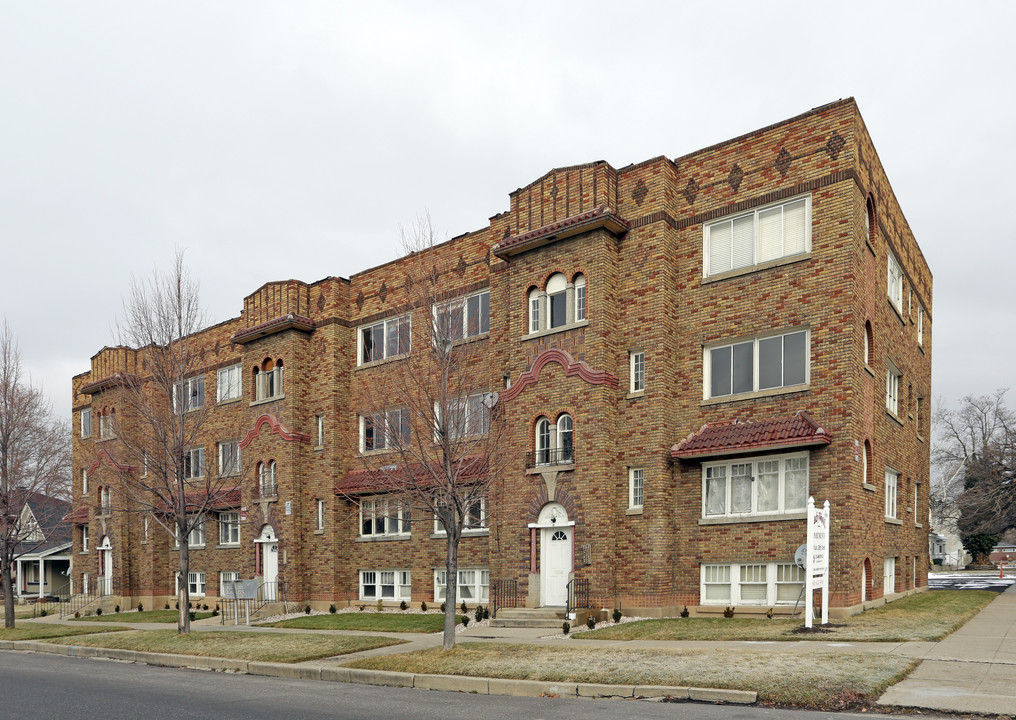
column 165, row 412
column 34, row 461
column 433, row 435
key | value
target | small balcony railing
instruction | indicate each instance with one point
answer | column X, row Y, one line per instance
column 269, row 490
column 550, row 456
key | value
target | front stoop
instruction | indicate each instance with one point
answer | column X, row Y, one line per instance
column 545, row 617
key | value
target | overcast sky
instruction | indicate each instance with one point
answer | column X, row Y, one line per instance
column 290, row 139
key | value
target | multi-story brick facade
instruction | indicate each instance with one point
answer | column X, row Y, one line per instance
column 724, row 334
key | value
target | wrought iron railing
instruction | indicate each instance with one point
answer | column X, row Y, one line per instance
column 91, row 593
column 578, row 595
column 52, row 601
column 267, row 593
column 503, row 593
column 550, row 456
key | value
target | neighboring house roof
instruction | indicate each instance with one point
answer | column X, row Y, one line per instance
column 732, row 437
column 48, row 513
column 366, row 482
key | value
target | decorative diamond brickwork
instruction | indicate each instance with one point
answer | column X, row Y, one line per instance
column 691, row 190
column 360, row 300
column 382, row 292
column 735, row 177
column 783, row 161
column 835, row 144
column 640, row 192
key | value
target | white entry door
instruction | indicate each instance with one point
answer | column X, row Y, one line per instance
column 555, row 565
column 106, row 562
column 269, row 563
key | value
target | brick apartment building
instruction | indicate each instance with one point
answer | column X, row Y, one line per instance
column 684, row 349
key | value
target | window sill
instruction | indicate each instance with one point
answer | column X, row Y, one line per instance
column 635, row 395
column 554, row 331
column 634, row 510
column 894, row 416
column 868, row 487
column 377, row 538
column 789, row 260
column 83, row 552
column 753, row 395
column 265, row 401
column 229, row 401
column 382, row 361
column 752, row 518
column 227, row 546
column 869, row 369
column 318, row 448
column 465, row 533
column 319, row 531
column 918, row 525
column 899, row 313
column 893, row 521
column 920, row 438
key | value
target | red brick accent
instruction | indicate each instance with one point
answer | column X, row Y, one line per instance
column 571, row 367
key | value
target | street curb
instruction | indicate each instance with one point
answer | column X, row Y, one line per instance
column 422, row 681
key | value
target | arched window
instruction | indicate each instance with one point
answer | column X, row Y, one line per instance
column 554, row 441
column 557, row 300
column 868, row 342
column 267, row 479
column 869, row 221
column 534, row 310
column 268, row 379
column 866, row 463
column 580, row 297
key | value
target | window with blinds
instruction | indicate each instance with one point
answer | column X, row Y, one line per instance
column 762, row 235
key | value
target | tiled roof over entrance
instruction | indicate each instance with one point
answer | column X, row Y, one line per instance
column 731, row 437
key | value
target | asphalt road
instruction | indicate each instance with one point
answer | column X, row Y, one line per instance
column 42, row 687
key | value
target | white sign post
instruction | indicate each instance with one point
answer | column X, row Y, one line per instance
column 816, row 572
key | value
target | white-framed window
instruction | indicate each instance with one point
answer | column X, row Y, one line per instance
column 84, row 482
column 892, row 388
column 86, row 422
column 144, row 528
column 463, row 317
column 105, row 500
column 196, row 538
column 891, row 484
column 475, row 518
column 227, row 577
column 107, row 422
column 637, row 365
column 319, row 421
column 267, row 478
column 473, row 585
column 319, row 515
column 84, row 538
column 189, row 394
column 757, row 236
column 227, row 383
column 385, row 585
column 195, row 583
column 920, row 324
column 229, row 528
column 766, row 485
column 555, row 441
column 194, row 463
column 765, row 584
column 917, row 498
column 895, row 286
column 380, row 517
column 635, row 478
column 888, row 575
column 384, row 339
column 268, row 380
column 866, row 462
column 560, row 305
column 385, row 430
column 765, row 363
column 467, row 416
column 229, row 458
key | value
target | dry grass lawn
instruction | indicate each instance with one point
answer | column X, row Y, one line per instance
column 813, row 679
column 148, row 616
column 370, row 622
column 928, row 616
column 267, row 647
column 39, row 631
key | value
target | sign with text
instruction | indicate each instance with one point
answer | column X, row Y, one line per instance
column 816, row 573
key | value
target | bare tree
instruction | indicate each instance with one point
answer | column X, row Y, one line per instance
column 160, row 429
column 34, row 465
column 976, row 444
column 431, row 430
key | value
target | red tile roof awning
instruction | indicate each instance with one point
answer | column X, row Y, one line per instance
column 221, row 499
column 79, row 516
column 731, row 437
column 391, row 480
column 598, row 217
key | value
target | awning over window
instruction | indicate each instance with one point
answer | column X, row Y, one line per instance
column 732, row 437
column 391, row 479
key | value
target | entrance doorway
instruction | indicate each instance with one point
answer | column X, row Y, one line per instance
column 555, row 554
column 269, row 563
column 106, row 565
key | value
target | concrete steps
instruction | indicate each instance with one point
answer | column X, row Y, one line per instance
column 545, row 617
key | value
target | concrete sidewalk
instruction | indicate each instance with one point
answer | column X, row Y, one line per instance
column 972, row 670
